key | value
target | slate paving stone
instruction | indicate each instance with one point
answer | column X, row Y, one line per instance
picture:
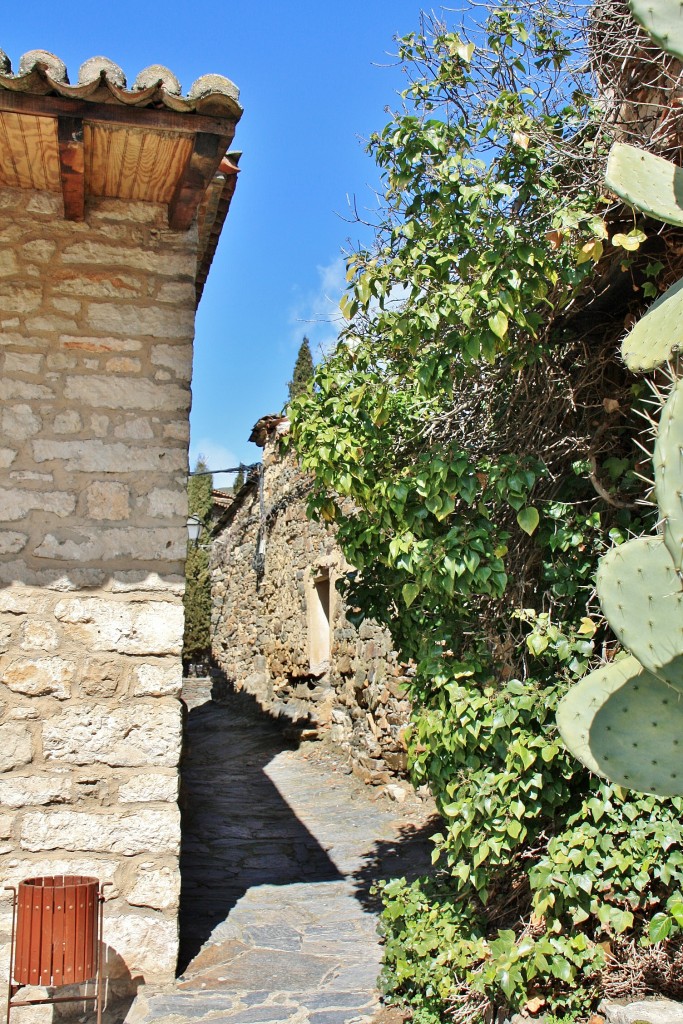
column 279, row 850
column 266, row 996
column 331, row 1017
column 256, row 1015
column 360, row 975
column 189, row 1009
column 275, row 937
column 283, row 971
column 215, row 954
column 338, row 1000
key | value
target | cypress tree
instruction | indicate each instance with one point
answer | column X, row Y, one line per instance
column 303, row 370
column 199, row 490
column 197, row 598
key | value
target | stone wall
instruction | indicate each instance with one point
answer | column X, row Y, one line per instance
column 96, row 327
column 270, row 629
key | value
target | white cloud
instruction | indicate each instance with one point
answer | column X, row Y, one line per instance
column 217, row 457
column 317, row 314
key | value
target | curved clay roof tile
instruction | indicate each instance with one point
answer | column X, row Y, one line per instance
column 157, row 74
column 54, row 66
column 210, row 85
column 137, row 97
column 101, row 67
column 100, row 80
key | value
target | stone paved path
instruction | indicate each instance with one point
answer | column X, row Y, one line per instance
column 280, row 848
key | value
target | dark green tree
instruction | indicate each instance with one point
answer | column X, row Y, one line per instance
column 197, row 599
column 239, row 480
column 303, row 370
column 199, row 490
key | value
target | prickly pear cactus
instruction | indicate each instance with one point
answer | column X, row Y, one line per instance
column 663, row 21
column 648, row 182
column 668, row 466
column 641, row 596
column 625, row 720
column 626, row 724
column 654, row 186
column 658, row 335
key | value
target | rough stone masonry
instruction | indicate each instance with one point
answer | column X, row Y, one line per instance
column 282, row 632
column 96, row 328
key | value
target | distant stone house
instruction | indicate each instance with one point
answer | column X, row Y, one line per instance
column 280, row 629
column 111, row 203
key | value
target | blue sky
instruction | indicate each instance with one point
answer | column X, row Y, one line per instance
column 315, row 78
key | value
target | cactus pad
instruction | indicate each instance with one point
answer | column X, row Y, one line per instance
column 625, row 724
column 663, row 22
column 668, row 466
column 658, row 335
column 648, row 182
column 641, row 596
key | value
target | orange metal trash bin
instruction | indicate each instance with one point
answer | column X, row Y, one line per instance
column 56, row 935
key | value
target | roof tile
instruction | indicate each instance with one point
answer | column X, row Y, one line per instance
column 42, row 73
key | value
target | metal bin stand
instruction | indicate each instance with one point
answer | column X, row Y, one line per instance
column 56, row 937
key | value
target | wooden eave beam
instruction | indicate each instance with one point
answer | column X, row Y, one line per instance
column 72, row 166
column 152, row 118
column 231, row 170
column 205, row 159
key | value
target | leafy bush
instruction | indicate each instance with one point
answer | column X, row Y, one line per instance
column 471, row 439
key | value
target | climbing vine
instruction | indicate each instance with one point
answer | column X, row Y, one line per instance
column 472, row 441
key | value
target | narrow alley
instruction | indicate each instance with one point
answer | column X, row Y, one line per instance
column 280, row 849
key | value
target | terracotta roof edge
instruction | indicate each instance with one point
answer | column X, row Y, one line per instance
column 41, row 73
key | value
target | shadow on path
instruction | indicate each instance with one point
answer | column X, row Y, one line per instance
column 408, row 856
column 237, row 831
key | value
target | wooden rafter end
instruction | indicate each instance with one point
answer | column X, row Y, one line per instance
column 72, row 166
column 207, row 153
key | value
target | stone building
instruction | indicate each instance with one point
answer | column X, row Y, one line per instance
column 280, row 629
column 111, row 203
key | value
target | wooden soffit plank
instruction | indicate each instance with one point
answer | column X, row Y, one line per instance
column 29, row 152
column 72, row 166
column 133, row 163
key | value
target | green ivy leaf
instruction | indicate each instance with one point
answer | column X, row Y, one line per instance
column 659, row 927
column 632, row 241
column 537, row 643
column 528, row 519
column 675, row 907
column 499, row 324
